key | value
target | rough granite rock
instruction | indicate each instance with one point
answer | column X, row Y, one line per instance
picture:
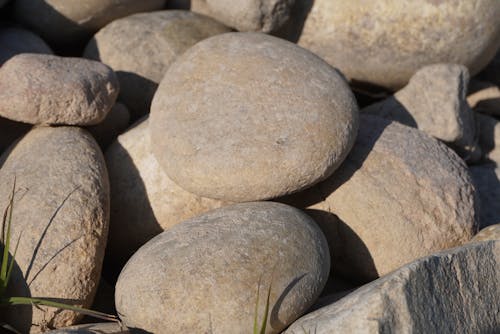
column 488, row 233
column 487, row 182
column 61, row 215
column 66, row 22
column 398, row 196
column 56, row 90
column 141, row 47
column 97, row 328
column 115, row 123
column 16, row 40
column 202, row 275
column 484, row 97
column 385, row 42
column 247, row 15
column 144, row 200
column 233, row 118
column 455, row 291
column 434, row 101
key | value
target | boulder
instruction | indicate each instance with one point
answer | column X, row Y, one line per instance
column 219, row 134
column 488, row 233
column 56, row 90
column 447, row 292
column 115, row 123
column 141, row 47
column 487, row 182
column 16, row 40
column 399, row 195
column 212, row 273
column 385, row 42
column 60, row 217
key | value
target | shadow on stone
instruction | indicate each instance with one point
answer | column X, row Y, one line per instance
column 274, row 315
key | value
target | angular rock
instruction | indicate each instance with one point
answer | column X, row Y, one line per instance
column 218, row 134
column 447, row 292
column 66, row 22
column 485, row 97
column 371, row 41
column 488, row 233
column 141, row 47
column 60, row 216
column 434, row 101
column 145, row 202
column 16, row 40
column 247, row 15
column 101, row 328
column 56, row 90
column 115, row 123
column 487, row 182
column 399, row 195
column 203, row 275
column 489, row 137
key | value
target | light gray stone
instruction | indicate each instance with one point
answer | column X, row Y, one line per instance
column 202, row 276
column 60, row 217
column 385, row 42
column 487, row 182
column 16, row 40
column 56, row 90
column 141, row 47
column 488, row 233
column 455, row 291
column 115, row 123
column 398, row 196
column 233, row 118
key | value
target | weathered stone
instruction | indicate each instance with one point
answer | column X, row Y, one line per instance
column 145, row 202
column 485, row 97
column 487, row 182
column 246, row 15
column 488, row 233
column 455, row 291
column 10, row 131
column 219, row 134
column 141, row 47
column 489, row 137
column 16, row 40
column 399, row 195
column 61, row 216
column 56, row 90
column 62, row 21
column 101, row 328
column 434, row 101
column 385, row 42
column 203, row 275
column 116, row 121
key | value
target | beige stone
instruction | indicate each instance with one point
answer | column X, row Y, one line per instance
column 97, row 328
column 115, row 123
column 56, row 90
column 484, row 97
column 144, row 200
column 247, row 15
column 202, row 275
column 455, row 291
column 16, row 40
column 234, row 119
column 487, row 182
column 141, row 47
column 61, row 217
column 488, row 233
column 385, row 42
column 399, row 195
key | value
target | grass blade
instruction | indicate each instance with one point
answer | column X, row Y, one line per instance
column 7, row 220
column 11, row 265
column 266, row 312
column 256, row 311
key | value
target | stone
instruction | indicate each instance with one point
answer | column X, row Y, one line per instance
column 218, row 134
column 10, row 131
column 488, row 233
column 63, row 22
column 141, row 47
column 101, row 328
column 385, row 42
column 434, row 101
column 399, row 195
column 144, row 200
column 447, row 292
column 487, row 182
column 56, row 90
column 60, row 217
column 115, row 123
column 485, row 97
column 247, row 15
column 489, row 137
column 205, row 274
column 16, row 40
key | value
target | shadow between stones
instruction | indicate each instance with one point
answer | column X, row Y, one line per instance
column 292, row 29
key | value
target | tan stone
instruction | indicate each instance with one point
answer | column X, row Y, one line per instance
column 399, row 195
column 485, row 97
column 144, row 200
column 16, row 40
column 385, row 42
column 234, row 119
column 488, row 233
column 455, row 291
column 56, row 90
column 61, row 217
column 141, row 47
column 202, row 275
column 115, row 123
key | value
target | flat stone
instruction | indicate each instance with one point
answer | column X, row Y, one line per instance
column 447, row 292
column 205, row 274
column 16, row 40
column 399, row 195
column 60, row 217
column 385, row 42
column 219, row 134
column 488, row 233
column 56, row 90
column 487, row 182
column 142, row 46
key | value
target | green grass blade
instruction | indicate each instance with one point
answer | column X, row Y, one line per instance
column 7, row 220
column 266, row 312
column 11, row 265
column 256, row 311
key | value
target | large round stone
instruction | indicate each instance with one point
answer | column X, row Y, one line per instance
column 234, row 119
column 384, row 42
column 204, row 275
